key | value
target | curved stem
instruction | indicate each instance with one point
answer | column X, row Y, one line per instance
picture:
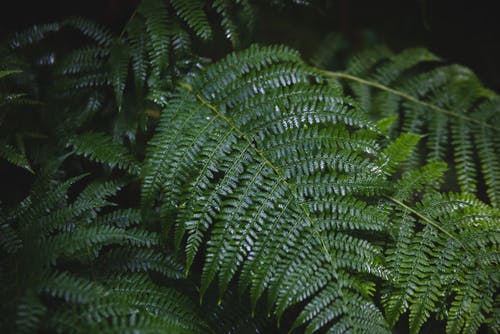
column 122, row 33
column 406, row 97
column 425, row 219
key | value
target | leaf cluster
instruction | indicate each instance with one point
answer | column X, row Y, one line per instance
column 282, row 197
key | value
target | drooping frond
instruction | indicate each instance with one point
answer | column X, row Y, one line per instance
column 271, row 166
column 9, row 153
column 192, row 13
column 226, row 21
column 445, row 257
column 82, row 60
column 119, row 61
column 445, row 103
column 154, row 48
column 91, row 29
column 11, row 102
column 46, row 235
column 133, row 304
column 33, row 34
column 101, row 148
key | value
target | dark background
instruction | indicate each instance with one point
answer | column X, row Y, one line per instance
column 465, row 32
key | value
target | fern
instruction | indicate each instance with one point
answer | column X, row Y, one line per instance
column 154, row 48
column 277, row 175
column 101, row 148
column 276, row 208
column 446, row 103
column 286, row 204
column 33, row 34
column 44, row 235
column 191, row 12
column 133, row 304
column 153, row 45
column 66, row 267
column 119, row 60
column 10, row 154
column 91, row 29
column 450, row 264
column 10, row 102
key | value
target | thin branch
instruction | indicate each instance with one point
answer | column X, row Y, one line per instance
column 425, row 219
column 406, row 97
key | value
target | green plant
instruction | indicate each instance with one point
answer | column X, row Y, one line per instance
column 286, row 188
column 11, row 102
column 443, row 102
column 65, row 265
column 254, row 184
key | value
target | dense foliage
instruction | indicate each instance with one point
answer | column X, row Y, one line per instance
column 173, row 193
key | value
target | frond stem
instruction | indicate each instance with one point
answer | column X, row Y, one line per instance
column 425, row 219
column 406, row 97
column 134, row 13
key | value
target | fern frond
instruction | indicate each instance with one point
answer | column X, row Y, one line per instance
column 226, row 21
column 44, row 290
column 71, row 288
column 120, row 218
column 426, row 178
column 488, row 151
column 156, row 17
column 91, row 29
column 445, row 103
column 43, row 198
column 398, row 151
column 9, row 241
column 433, row 267
column 142, row 260
column 119, row 61
column 100, row 147
column 95, row 196
column 29, row 313
column 10, row 102
column 33, row 34
column 93, row 238
column 83, row 60
column 192, row 13
column 133, row 303
column 9, row 153
column 209, row 161
column 138, row 41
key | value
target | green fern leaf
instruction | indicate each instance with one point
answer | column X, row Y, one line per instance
column 442, row 102
column 119, row 61
column 192, row 13
column 33, row 34
column 100, row 147
column 91, row 29
column 10, row 154
column 157, row 28
column 274, row 222
column 452, row 258
column 70, row 288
